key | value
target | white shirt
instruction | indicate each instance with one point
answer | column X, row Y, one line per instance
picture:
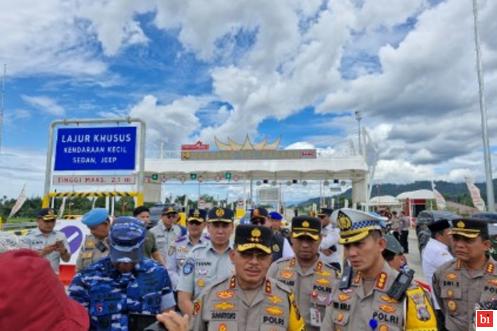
column 36, row 240
column 330, row 236
column 434, row 255
column 287, row 249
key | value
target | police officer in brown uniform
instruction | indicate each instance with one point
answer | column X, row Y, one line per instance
column 96, row 245
column 248, row 300
column 371, row 295
column 310, row 278
column 470, row 281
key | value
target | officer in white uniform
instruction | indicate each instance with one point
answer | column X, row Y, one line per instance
column 329, row 250
column 435, row 254
column 49, row 243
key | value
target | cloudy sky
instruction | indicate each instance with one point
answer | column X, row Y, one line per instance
column 296, row 69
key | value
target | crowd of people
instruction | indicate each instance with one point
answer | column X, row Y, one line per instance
column 343, row 270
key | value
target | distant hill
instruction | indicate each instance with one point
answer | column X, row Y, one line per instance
column 456, row 192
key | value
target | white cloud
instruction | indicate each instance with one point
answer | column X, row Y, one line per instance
column 113, row 22
column 45, row 104
column 173, row 123
column 421, row 102
column 20, row 167
column 44, row 37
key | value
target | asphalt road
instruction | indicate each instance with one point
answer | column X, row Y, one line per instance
column 413, row 258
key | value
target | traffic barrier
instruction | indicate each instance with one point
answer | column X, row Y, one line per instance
column 66, row 273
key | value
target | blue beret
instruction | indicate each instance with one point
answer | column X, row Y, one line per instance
column 275, row 215
column 95, row 217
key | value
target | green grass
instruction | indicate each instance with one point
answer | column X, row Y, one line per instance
column 20, row 220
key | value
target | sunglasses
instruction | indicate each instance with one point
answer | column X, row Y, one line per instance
column 171, row 215
column 194, row 223
column 258, row 221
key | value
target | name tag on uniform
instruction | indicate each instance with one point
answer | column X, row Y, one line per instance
column 315, row 317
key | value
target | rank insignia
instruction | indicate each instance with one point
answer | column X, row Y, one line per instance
column 388, row 299
column 383, row 327
column 196, row 307
column 340, row 317
column 274, row 311
column 268, row 288
column 490, row 268
column 323, row 282
column 286, row 274
column 452, row 305
column 451, row 276
column 343, row 297
column 274, row 299
column 324, row 273
column 226, row 294
column 233, row 282
column 357, row 279
column 224, row 306
column 381, row 280
column 388, row 309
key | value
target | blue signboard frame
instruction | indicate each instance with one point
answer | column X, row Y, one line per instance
column 95, row 148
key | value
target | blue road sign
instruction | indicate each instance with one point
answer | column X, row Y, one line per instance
column 96, row 148
column 74, row 237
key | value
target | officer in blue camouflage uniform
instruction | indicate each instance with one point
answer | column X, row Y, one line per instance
column 96, row 244
column 178, row 251
column 123, row 282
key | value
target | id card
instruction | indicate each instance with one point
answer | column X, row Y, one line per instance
column 315, row 316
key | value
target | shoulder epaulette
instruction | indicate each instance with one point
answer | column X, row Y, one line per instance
column 180, row 239
column 196, row 248
column 216, row 283
column 283, row 259
column 281, row 286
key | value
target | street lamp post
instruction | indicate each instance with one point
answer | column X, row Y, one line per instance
column 358, row 117
column 483, row 110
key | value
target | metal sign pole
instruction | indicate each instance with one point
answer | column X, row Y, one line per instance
column 483, row 110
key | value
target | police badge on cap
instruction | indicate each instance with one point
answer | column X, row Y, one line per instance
column 306, row 226
column 253, row 237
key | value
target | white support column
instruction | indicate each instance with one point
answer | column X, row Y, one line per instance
column 359, row 191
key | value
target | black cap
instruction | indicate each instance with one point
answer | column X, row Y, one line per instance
column 439, row 225
column 253, row 237
column 306, row 226
column 197, row 215
column 47, row 214
column 169, row 210
column 393, row 244
column 259, row 212
column 325, row 211
column 218, row 214
column 469, row 227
